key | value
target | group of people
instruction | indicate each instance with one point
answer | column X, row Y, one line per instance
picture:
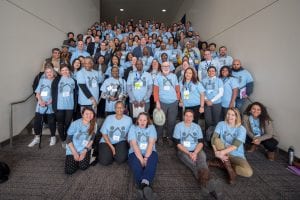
column 123, row 73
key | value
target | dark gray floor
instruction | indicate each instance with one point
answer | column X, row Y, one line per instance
column 39, row 174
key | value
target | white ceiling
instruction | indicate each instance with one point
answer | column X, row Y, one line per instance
column 140, row 9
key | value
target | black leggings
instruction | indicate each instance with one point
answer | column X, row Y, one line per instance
column 64, row 119
column 72, row 165
column 269, row 144
column 38, row 123
column 105, row 154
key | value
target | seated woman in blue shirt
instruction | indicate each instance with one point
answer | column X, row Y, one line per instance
column 260, row 129
column 79, row 141
column 228, row 144
column 113, row 144
column 142, row 157
column 192, row 93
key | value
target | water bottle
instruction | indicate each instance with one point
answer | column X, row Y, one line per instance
column 291, row 155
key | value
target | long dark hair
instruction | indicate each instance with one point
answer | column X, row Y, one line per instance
column 92, row 122
column 151, row 68
column 263, row 117
column 194, row 76
column 229, row 71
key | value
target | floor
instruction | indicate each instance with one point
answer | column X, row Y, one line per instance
column 39, row 174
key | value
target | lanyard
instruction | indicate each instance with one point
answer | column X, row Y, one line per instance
column 208, row 65
column 137, row 76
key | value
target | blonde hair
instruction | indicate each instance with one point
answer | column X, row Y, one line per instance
column 238, row 120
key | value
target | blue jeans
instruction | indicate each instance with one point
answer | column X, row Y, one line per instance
column 140, row 172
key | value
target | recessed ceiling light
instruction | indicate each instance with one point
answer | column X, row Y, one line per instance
column 163, row 10
column 121, row 9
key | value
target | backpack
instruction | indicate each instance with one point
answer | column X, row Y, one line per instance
column 4, row 172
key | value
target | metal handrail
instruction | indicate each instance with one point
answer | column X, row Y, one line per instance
column 11, row 117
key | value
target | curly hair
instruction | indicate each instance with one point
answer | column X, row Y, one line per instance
column 264, row 117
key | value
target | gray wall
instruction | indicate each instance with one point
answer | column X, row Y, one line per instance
column 29, row 30
column 264, row 34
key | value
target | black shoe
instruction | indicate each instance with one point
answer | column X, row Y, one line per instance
column 139, row 194
column 148, row 193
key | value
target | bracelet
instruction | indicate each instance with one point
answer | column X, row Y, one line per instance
column 87, row 149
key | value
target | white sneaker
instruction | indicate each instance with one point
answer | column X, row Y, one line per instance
column 52, row 141
column 35, row 141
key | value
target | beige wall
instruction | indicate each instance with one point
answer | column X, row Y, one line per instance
column 264, row 34
column 29, row 30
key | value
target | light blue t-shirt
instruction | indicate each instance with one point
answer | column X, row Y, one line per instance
column 142, row 136
column 204, row 65
column 112, row 87
column 243, row 77
column 212, row 86
column 255, row 126
column 190, row 93
column 80, row 136
column 116, row 130
column 44, row 89
column 225, row 60
column 230, row 83
column 166, row 84
column 139, row 84
column 146, row 62
column 78, row 53
column 92, row 79
column 229, row 134
column 65, row 97
column 188, row 136
column 175, row 53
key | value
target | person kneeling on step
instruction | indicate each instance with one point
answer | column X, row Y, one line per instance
column 113, row 144
column 189, row 139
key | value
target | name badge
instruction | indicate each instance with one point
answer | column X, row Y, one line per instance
column 187, row 144
column 114, row 89
column 186, row 94
column 138, row 85
column 143, row 146
column 84, row 142
column 44, row 93
column 166, row 87
column 66, row 94
column 116, row 138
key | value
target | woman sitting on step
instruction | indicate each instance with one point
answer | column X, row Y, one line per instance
column 189, row 141
column 259, row 128
column 142, row 157
column 227, row 142
column 79, row 141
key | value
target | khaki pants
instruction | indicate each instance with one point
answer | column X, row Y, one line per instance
column 240, row 165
